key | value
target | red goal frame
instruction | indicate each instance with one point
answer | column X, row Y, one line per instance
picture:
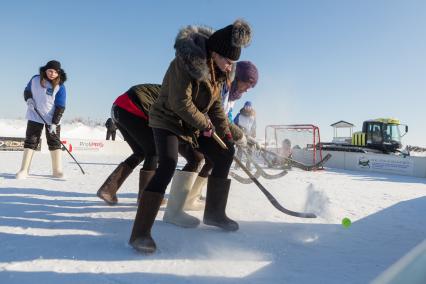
column 316, row 138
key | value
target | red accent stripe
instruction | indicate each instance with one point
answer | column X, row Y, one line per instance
column 126, row 103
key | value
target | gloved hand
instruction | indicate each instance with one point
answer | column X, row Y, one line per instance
column 251, row 140
column 209, row 130
column 242, row 142
column 229, row 141
column 31, row 104
column 52, row 128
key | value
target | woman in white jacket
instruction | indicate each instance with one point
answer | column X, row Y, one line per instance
column 246, row 120
column 45, row 93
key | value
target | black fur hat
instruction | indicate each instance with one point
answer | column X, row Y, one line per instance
column 228, row 41
column 55, row 65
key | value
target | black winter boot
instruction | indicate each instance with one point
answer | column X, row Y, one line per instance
column 217, row 196
column 141, row 239
column 144, row 178
column 108, row 190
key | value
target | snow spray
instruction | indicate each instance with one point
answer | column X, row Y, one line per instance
column 317, row 202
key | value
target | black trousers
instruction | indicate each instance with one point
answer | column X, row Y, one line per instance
column 111, row 134
column 207, row 168
column 167, row 144
column 33, row 134
column 139, row 136
column 194, row 158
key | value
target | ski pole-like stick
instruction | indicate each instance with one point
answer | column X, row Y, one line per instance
column 268, row 195
column 56, row 136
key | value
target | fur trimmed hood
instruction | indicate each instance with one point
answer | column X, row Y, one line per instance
column 191, row 49
column 62, row 74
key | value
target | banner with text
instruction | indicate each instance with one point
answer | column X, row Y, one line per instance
column 386, row 163
column 14, row 144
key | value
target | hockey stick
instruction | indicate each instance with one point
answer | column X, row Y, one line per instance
column 268, row 195
column 259, row 172
column 312, row 167
column 262, row 172
column 56, row 136
column 244, row 180
column 297, row 164
column 290, row 161
column 263, row 154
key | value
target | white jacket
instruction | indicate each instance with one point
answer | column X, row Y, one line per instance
column 45, row 99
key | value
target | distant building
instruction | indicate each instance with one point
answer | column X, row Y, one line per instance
column 342, row 125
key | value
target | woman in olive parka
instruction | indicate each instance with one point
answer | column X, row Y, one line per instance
column 188, row 110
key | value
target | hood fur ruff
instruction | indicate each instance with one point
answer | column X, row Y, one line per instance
column 190, row 46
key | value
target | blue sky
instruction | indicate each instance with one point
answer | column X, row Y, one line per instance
column 319, row 61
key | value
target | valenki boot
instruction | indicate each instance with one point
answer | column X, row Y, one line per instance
column 193, row 201
column 217, row 197
column 144, row 178
column 181, row 184
column 26, row 162
column 56, row 156
column 109, row 188
column 141, row 239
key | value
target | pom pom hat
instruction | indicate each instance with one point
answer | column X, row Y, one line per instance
column 228, row 41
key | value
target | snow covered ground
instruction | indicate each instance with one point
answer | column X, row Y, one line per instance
column 77, row 130
column 58, row 231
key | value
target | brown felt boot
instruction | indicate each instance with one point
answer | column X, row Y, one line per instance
column 217, row 196
column 108, row 190
column 141, row 239
column 144, row 178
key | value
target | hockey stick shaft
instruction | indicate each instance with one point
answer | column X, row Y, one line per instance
column 295, row 163
column 56, row 136
column 292, row 162
column 261, row 171
column 268, row 195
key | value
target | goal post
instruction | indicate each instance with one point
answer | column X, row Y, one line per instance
column 300, row 141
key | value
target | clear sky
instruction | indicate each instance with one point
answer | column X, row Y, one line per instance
column 319, row 61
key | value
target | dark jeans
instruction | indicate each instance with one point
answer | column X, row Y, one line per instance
column 167, row 144
column 139, row 136
column 33, row 134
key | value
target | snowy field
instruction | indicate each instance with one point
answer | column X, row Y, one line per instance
column 77, row 130
column 58, row 231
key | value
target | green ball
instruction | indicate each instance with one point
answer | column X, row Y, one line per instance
column 346, row 222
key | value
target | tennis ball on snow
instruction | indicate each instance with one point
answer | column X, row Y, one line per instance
column 346, row 222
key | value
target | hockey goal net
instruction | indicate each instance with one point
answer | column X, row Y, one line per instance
column 301, row 142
